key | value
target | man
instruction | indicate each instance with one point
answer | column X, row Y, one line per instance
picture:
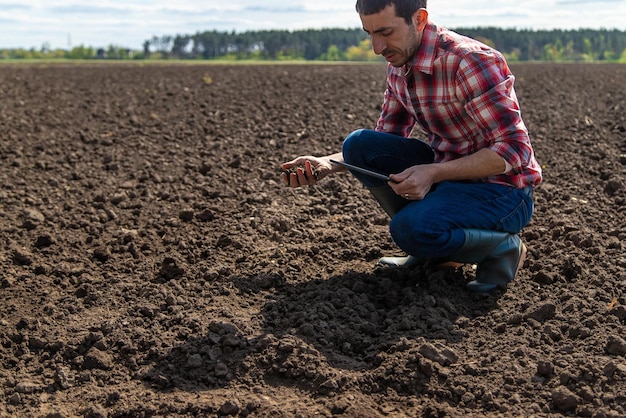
column 465, row 192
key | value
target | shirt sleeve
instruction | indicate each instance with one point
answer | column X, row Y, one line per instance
column 485, row 84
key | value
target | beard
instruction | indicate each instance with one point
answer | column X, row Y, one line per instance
column 398, row 57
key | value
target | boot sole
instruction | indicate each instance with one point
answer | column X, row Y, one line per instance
column 522, row 258
column 450, row 265
column 402, row 262
column 445, row 264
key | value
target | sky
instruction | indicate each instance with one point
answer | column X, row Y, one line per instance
column 129, row 23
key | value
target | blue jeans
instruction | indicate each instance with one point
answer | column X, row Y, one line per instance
column 433, row 227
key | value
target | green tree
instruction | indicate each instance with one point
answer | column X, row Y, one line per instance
column 553, row 52
column 81, row 52
column 362, row 52
column 332, row 54
column 587, row 50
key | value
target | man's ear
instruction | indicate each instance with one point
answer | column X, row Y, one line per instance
column 420, row 18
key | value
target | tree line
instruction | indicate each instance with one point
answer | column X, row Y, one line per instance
column 582, row 45
column 554, row 45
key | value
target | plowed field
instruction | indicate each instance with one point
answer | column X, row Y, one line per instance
column 152, row 263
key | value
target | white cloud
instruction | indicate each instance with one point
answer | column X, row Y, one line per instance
column 128, row 23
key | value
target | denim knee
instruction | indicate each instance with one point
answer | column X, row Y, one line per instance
column 424, row 242
column 406, row 236
column 352, row 147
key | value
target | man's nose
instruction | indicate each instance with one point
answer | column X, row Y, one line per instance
column 378, row 45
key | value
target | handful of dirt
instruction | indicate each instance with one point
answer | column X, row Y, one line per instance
column 295, row 169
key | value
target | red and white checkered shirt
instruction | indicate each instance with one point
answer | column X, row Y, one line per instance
column 459, row 93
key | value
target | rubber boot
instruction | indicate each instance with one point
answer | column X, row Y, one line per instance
column 392, row 204
column 498, row 254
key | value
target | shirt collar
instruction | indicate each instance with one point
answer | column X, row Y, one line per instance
column 424, row 58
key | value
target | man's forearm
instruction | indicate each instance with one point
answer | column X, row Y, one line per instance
column 483, row 163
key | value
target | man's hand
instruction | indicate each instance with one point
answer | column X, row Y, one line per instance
column 414, row 182
column 305, row 171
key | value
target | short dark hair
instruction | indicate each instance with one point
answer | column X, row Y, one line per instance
column 404, row 8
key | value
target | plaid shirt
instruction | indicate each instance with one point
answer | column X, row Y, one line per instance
column 460, row 93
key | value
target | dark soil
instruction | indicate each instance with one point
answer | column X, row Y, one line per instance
column 153, row 264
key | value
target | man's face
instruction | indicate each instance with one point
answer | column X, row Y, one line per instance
column 391, row 36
